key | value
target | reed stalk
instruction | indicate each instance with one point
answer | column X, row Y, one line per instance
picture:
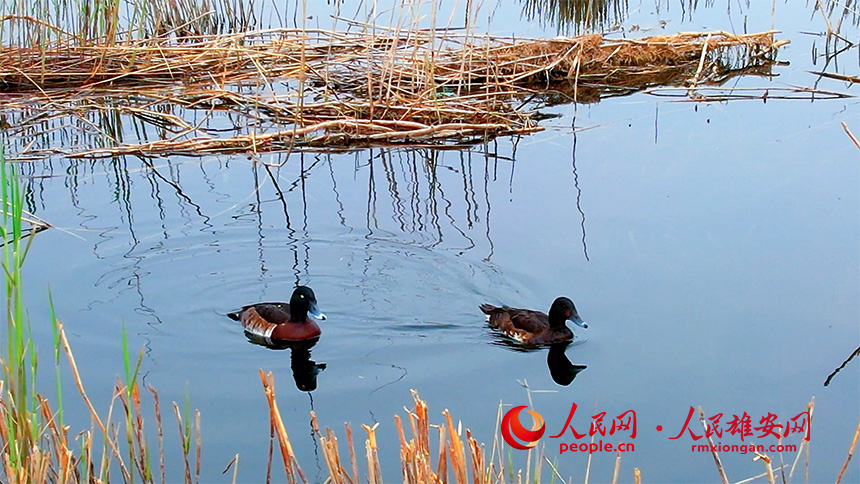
column 850, row 453
column 373, row 86
column 23, row 460
column 36, row 447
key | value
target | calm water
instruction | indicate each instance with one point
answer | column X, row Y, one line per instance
column 714, row 250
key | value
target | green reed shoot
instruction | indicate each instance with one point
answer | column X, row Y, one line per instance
column 35, row 446
column 186, row 434
column 130, row 375
column 57, row 348
column 14, row 367
column 138, row 451
column 19, row 362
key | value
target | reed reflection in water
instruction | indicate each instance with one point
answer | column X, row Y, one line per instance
column 576, row 16
column 173, row 238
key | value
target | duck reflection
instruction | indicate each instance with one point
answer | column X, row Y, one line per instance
column 562, row 371
column 560, row 368
column 305, row 370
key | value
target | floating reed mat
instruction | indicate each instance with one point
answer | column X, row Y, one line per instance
column 323, row 89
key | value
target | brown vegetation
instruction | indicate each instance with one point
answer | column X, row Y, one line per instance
column 323, row 89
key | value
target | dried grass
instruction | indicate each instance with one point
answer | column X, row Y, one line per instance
column 416, row 453
column 469, row 463
column 311, row 89
column 54, row 457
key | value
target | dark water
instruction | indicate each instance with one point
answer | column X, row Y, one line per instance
column 714, row 250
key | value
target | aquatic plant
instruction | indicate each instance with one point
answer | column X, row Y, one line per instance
column 464, row 462
column 36, row 445
column 353, row 89
column 19, row 405
column 297, row 88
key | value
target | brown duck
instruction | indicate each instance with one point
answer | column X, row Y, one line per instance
column 534, row 327
column 282, row 321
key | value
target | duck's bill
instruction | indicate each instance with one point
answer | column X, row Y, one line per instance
column 316, row 313
column 579, row 322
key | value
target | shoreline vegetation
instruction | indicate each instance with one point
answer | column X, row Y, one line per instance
column 353, row 87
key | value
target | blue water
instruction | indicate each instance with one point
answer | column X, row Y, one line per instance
column 713, row 249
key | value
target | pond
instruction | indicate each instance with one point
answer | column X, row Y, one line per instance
column 713, row 248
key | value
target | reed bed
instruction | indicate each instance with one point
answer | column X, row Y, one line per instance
column 411, row 63
column 451, row 460
column 37, row 447
column 316, row 89
column 36, row 444
column 437, row 453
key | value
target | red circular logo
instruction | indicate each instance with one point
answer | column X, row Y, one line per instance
column 511, row 425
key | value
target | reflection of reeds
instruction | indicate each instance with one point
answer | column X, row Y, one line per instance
column 835, row 13
column 576, row 15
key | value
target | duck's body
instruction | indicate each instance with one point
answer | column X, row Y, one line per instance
column 534, row 327
column 283, row 321
column 272, row 320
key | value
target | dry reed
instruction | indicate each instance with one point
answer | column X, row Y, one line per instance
column 723, row 478
column 857, row 144
column 55, row 461
column 850, row 453
column 417, row 456
column 330, row 89
column 54, row 457
column 291, row 465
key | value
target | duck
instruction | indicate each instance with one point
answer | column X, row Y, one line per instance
column 283, row 321
column 534, row 327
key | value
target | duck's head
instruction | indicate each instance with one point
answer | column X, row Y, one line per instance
column 563, row 310
column 303, row 301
